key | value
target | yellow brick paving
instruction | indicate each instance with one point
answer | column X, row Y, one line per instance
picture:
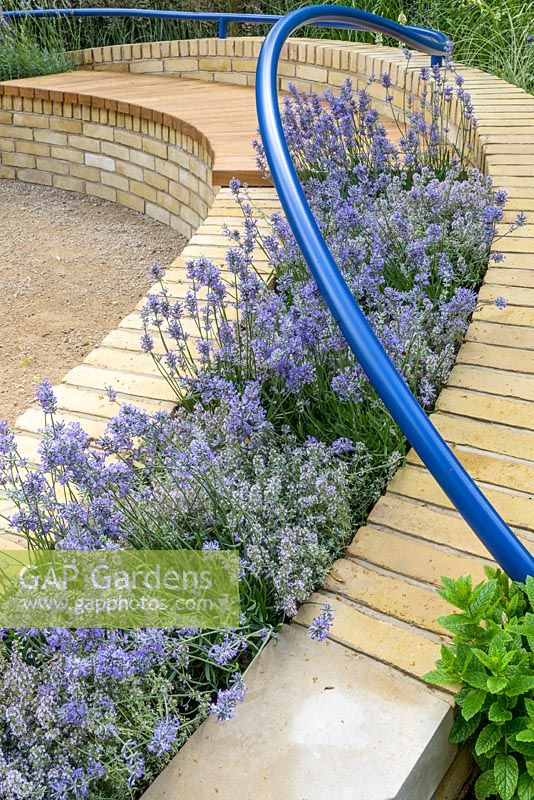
column 383, row 591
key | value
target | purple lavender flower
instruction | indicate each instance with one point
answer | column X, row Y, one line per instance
column 164, row 736
column 227, row 650
column 342, row 446
column 321, row 624
column 111, row 394
column 45, row 397
column 500, row 197
column 146, row 343
column 212, row 545
column 157, row 272
column 500, row 302
column 7, row 438
column 225, row 706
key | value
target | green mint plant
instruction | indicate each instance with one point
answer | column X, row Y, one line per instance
column 491, row 659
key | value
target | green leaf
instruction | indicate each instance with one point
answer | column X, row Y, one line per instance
column 505, row 774
column 472, row 703
column 519, row 723
column 440, row 677
column 516, row 606
column 498, row 714
column 481, row 598
column 456, row 592
column 522, row 628
column 499, row 644
column 485, row 785
column 484, row 658
column 529, row 705
column 525, row 736
column 525, row 788
column 496, row 685
column 459, row 624
column 488, row 738
column 522, row 684
column 476, row 678
column 464, row 656
column 463, row 729
column 448, row 657
column 525, row 748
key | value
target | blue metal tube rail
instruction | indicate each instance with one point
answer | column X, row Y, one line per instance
column 484, row 520
column 430, row 41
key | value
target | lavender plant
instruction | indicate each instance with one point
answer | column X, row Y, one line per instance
column 97, row 713
column 410, row 226
column 27, row 50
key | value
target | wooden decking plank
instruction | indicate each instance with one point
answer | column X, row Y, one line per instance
column 388, row 594
column 510, row 277
column 400, row 646
column 522, row 317
column 33, row 421
column 127, row 383
column 475, row 405
column 493, row 381
column 502, row 335
column 422, row 521
column 509, row 358
column 491, row 468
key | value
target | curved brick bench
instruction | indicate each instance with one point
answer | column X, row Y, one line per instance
column 379, row 732
column 154, row 144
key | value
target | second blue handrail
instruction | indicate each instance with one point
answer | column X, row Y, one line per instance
column 428, row 40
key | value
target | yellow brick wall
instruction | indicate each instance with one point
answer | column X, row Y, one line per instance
column 310, row 64
column 157, row 168
column 152, row 168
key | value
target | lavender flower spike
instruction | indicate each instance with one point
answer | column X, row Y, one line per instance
column 227, row 699
column 46, row 397
column 321, row 624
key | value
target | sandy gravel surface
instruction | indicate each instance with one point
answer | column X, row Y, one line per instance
column 70, row 268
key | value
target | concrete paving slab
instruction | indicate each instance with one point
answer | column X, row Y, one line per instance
column 319, row 722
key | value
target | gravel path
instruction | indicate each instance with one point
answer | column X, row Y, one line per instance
column 70, row 268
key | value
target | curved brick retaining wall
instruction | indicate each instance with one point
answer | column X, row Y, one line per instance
column 312, row 65
column 152, row 161
column 139, row 158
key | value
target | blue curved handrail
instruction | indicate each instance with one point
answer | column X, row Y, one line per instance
column 429, row 41
column 491, row 529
